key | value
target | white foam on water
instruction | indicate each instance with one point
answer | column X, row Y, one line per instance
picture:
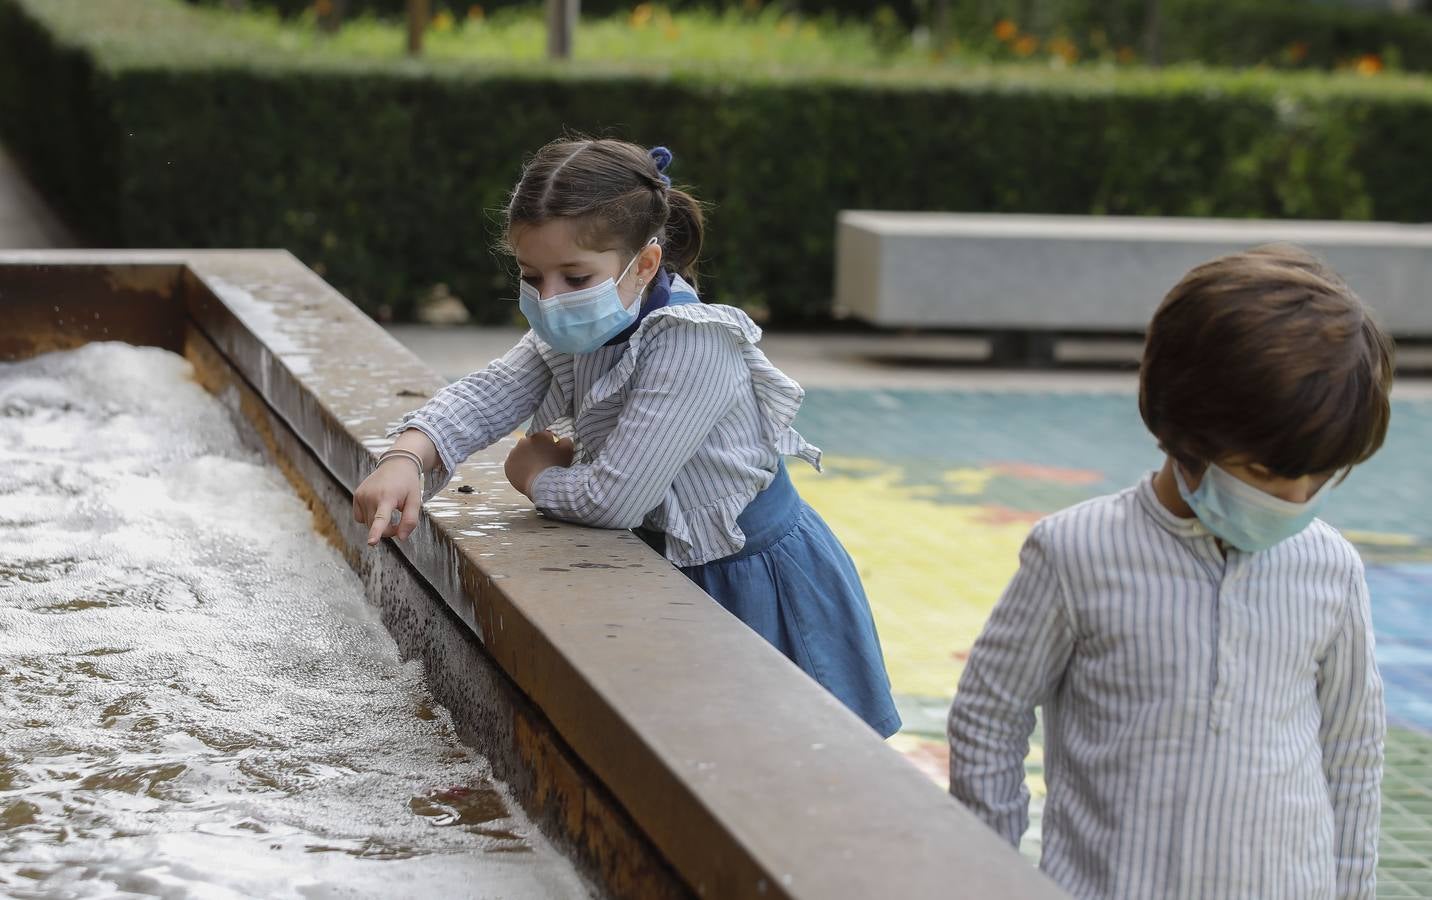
column 195, row 698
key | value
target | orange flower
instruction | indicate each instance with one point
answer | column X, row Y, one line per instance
column 1027, row 45
column 641, row 15
column 324, row 8
column 1368, row 64
column 1005, row 30
column 1127, row 55
column 1064, row 49
column 1298, row 51
column 476, row 14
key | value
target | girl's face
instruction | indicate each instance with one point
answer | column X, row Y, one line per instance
column 553, row 262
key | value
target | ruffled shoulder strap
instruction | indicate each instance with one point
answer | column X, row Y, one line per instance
column 778, row 396
column 555, row 412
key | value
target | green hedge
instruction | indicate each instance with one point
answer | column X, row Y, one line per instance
column 387, row 177
column 1254, row 32
column 1299, row 34
column 908, row 10
column 1213, row 32
column 398, row 8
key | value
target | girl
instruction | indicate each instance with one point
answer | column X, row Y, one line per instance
column 650, row 410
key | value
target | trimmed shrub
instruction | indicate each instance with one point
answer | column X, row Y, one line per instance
column 908, row 10
column 1211, row 32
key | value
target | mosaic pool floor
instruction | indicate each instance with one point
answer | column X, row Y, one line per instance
column 934, row 491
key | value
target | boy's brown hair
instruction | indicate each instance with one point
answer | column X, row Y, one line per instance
column 1267, row 355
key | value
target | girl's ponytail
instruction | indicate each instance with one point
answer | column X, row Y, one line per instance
column 681, row 247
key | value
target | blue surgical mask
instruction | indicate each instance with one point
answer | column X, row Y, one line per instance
column 579, row 321
column 1244, row 516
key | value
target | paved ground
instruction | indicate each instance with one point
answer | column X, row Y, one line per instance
column 936, row 471
column 933, row 492
column 880, row 361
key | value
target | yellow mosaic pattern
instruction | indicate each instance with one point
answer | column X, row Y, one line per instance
column 932, row 587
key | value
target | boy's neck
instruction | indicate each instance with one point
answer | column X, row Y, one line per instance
column 1166, row 489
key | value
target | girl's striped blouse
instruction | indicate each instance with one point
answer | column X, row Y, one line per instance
column 677, row 429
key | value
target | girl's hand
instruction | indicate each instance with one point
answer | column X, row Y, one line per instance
column 394, row 485
column 534, row 455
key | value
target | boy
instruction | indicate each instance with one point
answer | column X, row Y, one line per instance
column 1201, row 645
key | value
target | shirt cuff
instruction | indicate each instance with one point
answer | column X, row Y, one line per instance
column 543, row 488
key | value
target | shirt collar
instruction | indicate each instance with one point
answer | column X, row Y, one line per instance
column 1178, row 526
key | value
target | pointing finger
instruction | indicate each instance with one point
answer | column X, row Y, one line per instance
column 380, row 524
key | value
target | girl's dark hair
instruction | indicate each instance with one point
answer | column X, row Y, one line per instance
column 617, row 197
column 1268, row 354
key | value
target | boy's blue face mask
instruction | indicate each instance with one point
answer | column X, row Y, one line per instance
column 1243, row 516
column 579, row 321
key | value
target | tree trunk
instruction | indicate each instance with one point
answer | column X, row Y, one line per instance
column 1153, row 33
column 417, row 25
column 331, row 20
column 940, row 22
column 561, row 27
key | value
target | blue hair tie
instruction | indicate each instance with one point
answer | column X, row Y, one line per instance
column 662, row 157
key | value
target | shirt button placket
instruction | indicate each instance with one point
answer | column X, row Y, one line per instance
column 1225, row 654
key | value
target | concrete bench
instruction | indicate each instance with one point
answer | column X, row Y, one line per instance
column 1043, row 275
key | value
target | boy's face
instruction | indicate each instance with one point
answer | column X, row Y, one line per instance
column 1293, row 490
